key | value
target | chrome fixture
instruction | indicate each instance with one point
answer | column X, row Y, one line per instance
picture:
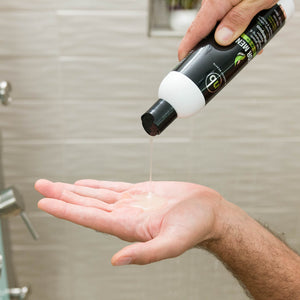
column 18, row 293
column 5, row 90
column 11, row 204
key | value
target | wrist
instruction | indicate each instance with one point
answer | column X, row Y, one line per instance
column 227, row 217
column 267, row 268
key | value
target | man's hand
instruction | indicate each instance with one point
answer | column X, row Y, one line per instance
column 177, row 217
column 234, row 17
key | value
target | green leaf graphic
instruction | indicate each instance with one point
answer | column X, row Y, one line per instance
column 239, row 58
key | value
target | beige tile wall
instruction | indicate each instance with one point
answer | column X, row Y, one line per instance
column 83, row 72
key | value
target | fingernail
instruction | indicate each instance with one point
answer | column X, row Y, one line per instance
column 126, row 260
column 224, row 35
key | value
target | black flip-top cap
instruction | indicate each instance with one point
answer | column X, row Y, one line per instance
column 158, row 117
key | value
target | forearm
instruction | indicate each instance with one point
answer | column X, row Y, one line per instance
column 264, row 264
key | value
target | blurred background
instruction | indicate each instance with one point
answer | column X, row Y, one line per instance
column 83, row 72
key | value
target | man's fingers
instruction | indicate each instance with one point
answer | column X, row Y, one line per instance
column 74, row 198
column 234, row 15
column 86, row 216
column 105, row 195
column 48, row 188
column 55, row 190
column 110, row 185
column 206, row 19
column 199, row 29
column 237, row 19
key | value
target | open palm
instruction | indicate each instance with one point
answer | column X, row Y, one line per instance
column 175, row 217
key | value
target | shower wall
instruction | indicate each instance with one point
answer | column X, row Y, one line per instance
column 83, row 72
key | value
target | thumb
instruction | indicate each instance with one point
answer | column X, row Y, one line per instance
column 236, row 21
column 159, row 248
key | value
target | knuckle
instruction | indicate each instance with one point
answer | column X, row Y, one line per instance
column 238, row 17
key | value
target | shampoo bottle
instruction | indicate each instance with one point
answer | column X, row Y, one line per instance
column 209, row 67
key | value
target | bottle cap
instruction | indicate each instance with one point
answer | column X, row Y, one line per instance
column 158, row 117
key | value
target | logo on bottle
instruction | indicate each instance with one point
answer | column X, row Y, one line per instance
column 239, row 58
column 213, row 82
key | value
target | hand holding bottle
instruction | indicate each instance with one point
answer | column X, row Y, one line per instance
column 234, row 17
column 209, row 67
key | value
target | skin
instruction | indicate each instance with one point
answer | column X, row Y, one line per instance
column 180, row 217
column 112, row 208
column 187, row 215
column 234, row 17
